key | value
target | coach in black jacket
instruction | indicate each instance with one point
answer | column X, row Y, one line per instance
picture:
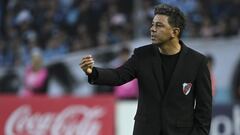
column 174, row 82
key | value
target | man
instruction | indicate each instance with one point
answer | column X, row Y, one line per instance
column 174, row 82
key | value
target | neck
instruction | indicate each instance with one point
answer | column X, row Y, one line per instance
column 170, row 47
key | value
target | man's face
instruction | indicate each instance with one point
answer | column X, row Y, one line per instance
column 161, row 31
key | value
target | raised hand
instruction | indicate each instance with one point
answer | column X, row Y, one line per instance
column 86, row 64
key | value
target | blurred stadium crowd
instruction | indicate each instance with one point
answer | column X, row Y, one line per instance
column 53, row 28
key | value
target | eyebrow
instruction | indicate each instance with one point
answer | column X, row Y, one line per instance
column 158, row 23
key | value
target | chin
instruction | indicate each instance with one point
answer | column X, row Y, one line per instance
column 156, row 43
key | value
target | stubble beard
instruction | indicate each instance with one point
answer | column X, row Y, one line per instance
column 161, row 43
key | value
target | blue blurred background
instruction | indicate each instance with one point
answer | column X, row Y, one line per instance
column 55, row 35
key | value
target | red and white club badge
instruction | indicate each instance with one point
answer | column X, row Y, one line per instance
column 187, row 88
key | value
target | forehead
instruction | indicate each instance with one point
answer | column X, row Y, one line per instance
column 161, row 19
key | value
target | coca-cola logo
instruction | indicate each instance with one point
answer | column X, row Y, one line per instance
column 73, row 120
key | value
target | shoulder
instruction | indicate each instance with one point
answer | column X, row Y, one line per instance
column 144, row 49
column 195, row 60
column 196, row 55
column 192, row 54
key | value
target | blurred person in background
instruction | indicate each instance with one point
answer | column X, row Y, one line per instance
column 35, row 76
column 9, row 82
column 128, row 90
column 210, row 65
column 175, row 96
column 236, row 82
column 60, row 79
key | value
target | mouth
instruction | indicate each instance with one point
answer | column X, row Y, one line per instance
column 153, row 37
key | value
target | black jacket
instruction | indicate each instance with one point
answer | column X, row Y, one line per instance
column 186, row 106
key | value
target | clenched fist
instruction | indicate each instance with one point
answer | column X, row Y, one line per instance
column 87, row 64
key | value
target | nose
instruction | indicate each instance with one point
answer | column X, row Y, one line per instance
column 152, row 28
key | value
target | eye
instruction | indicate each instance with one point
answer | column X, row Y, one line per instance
column 160, row 25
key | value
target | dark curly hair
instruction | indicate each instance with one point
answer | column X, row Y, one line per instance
column 176, row 17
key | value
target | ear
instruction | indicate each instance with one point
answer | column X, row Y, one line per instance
column 175, row 32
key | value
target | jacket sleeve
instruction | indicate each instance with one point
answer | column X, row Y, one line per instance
column 203, row 108
column 115, row 77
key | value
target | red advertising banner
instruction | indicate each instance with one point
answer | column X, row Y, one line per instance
column 56, row 116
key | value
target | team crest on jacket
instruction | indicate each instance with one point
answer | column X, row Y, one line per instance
column 187, row 88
